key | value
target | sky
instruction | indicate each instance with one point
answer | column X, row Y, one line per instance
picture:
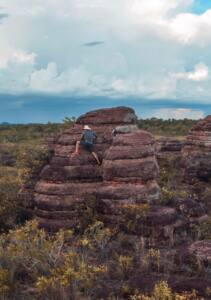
column 64, row 57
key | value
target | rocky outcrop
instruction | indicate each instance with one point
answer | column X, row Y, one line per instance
column 167, row 144
column 168, row 151
column 127, row 175
column 196, row 153
column 201, row 250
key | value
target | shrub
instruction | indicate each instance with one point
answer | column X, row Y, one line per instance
column 74, row 277
column 162, row 291
column 28, row 252
column 10, row 185
column 5, row 285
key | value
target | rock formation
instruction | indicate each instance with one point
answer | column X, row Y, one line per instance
column 129, row 172
column 196, row 152
column 168, row 151
column 127, row 175
column 167, row 144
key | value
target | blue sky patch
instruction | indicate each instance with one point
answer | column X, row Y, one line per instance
column 200, row 6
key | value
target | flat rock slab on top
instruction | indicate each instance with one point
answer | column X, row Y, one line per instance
column 119, row 115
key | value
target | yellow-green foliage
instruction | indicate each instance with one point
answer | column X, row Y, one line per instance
column 30, row 160
column 28, row 252
column 22, row 154
column 99, row 235
column 169, row 194
column 47, row 264
column 4, row 282
column 10, row 184
column 163, row 292
column 169, row 127
column 134, row 215
column 151, row 260
column 36, row 265
column 125, row 264
column 75, row 274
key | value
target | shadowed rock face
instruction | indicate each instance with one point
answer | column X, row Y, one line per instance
column 168, row 151
column 166, row 144
column 196, row 152
column 127, row 175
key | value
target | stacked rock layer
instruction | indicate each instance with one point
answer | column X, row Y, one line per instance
column 196, row 152
column 127, row 175
column 168, row 151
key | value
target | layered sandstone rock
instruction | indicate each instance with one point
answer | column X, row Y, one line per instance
column 168, row 151
column 127, row 175
column 196, row 152
column 129, row 172
column 167, row 144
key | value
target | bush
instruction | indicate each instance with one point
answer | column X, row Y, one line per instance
column 27, row 253
column 163, row 292
column 10, row 184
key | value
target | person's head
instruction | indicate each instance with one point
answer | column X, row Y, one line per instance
column 86, row 127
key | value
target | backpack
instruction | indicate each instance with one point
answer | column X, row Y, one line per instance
column 89, row 136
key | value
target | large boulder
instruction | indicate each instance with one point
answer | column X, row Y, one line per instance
column 196, row 153
column 168, row 151
column 127, row 175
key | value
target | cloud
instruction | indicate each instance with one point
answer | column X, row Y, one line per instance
column 154, row 49
column 92, row 44
column 200, row 73
column 10, row 56
column 179, row 113
column 3, row 16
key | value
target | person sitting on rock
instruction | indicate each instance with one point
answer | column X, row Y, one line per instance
column 87, row 140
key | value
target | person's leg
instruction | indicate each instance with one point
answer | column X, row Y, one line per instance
column 77, row 147
column 96, row 157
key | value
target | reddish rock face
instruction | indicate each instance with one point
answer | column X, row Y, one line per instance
column 166, row 144
column 196, row 153
column 119, row 115
column 201, row 250
column 168, row 151
column 127, row 175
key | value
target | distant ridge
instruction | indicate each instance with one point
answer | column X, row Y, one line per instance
column 5, row 123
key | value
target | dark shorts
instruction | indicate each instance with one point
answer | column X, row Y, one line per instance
column 87, row 146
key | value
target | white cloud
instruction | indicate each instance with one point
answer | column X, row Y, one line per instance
column 179, row 113
column 148, row 46
column 189, row 28
column 160, row 9
column 200, row 73
column 17, row 56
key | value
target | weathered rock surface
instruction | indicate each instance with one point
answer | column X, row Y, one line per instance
column 196, row 153
column 127, row 175
column 130, row 170
column 168, row 151
column 201, row 250
column 169, row 144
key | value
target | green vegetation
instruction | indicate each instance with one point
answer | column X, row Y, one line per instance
column 36, row 265
column 23, row 152
column 96, row 263
column 171, row 127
